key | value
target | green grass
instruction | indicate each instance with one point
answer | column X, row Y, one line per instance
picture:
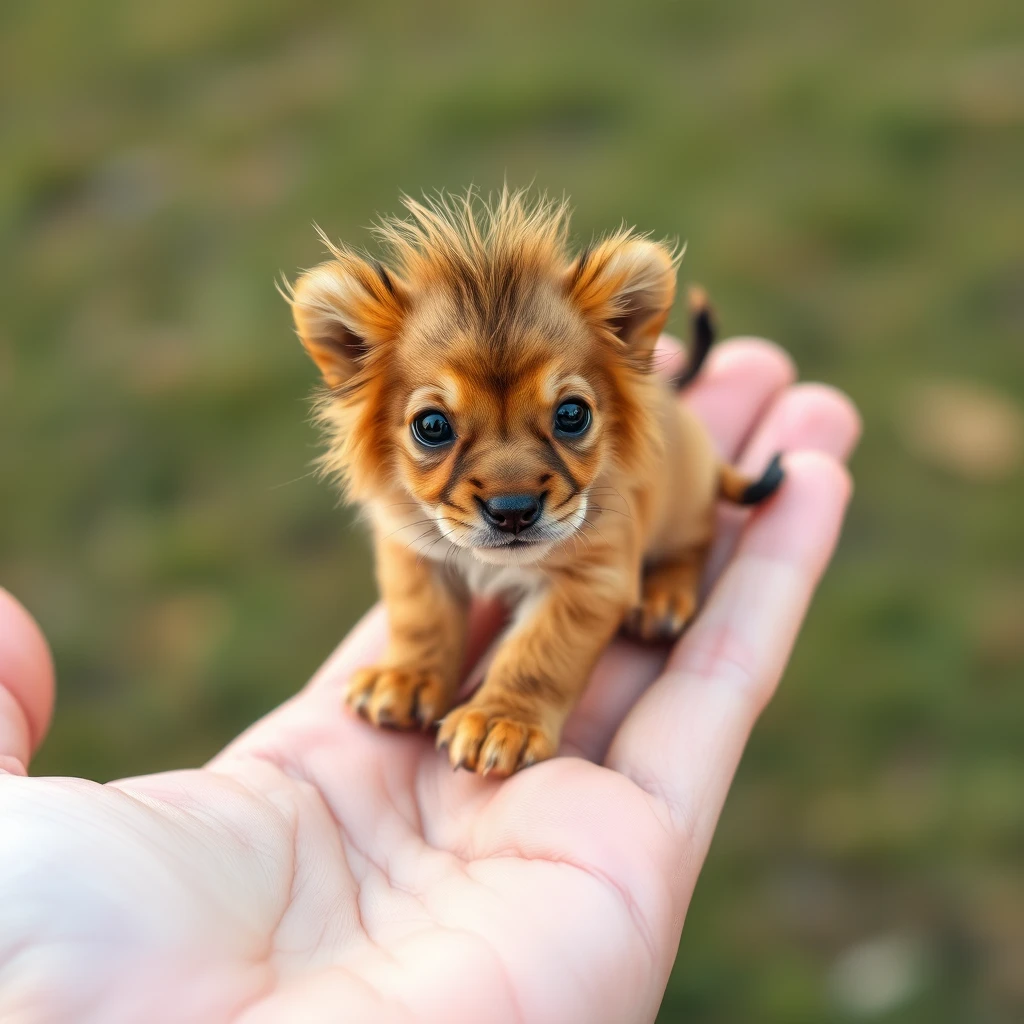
column 850, row 180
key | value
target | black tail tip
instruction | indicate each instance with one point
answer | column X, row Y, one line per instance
column 702, row 317
column 702, row 335
column 769, row 483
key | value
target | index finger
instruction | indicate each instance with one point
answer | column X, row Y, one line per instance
column 741, row 379
column 683, row 740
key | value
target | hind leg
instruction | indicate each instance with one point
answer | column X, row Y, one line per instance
column 668, row 596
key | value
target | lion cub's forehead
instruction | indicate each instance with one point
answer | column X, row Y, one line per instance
column 520, row 340
column 493, row 305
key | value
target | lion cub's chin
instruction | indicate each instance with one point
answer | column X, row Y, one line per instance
column 514, row 554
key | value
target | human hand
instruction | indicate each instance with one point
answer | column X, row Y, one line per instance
column 321, row 870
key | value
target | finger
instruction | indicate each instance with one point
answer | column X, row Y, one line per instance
column 741, row 378
column 26, row 685
column 807, row 411
column 807, row 417
column 683, row 740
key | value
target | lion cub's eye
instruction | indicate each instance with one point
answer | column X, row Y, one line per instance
column 572, row 417
column 432, row 429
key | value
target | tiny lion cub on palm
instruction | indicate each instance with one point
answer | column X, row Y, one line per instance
column 491, row 404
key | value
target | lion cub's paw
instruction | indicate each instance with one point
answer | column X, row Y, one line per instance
column 490, row 739
column 403, row 697
column 663, row 612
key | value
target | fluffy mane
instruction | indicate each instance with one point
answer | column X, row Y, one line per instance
column 486, row 253
column 473, row 243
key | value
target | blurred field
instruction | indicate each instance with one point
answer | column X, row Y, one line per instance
column 850, row 179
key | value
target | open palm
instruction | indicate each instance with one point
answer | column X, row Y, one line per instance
column 319, row 870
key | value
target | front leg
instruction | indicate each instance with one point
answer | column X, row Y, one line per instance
column 537, row 676
column 416, row 681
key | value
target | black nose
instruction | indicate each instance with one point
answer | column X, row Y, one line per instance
column 511, row 513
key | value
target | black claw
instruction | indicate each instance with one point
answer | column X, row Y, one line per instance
column 415, row 712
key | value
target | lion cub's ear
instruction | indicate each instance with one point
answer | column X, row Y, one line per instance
column 344, row 309
column 625, row 285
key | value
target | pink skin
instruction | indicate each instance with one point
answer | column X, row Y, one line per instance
column 320, row 870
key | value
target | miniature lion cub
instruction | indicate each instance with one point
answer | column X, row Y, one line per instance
column 491, row 405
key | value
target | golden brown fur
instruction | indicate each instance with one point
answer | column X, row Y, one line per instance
column 481, row 315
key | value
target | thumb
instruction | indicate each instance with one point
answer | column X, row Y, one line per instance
column 26, row 685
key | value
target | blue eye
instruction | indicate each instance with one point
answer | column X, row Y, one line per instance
column 432, row 429
column 572, row 417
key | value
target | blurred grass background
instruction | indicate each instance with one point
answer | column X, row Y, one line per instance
column 850, row 179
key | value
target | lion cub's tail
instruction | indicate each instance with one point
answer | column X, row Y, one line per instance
column 702, row 336
column 734, row 486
